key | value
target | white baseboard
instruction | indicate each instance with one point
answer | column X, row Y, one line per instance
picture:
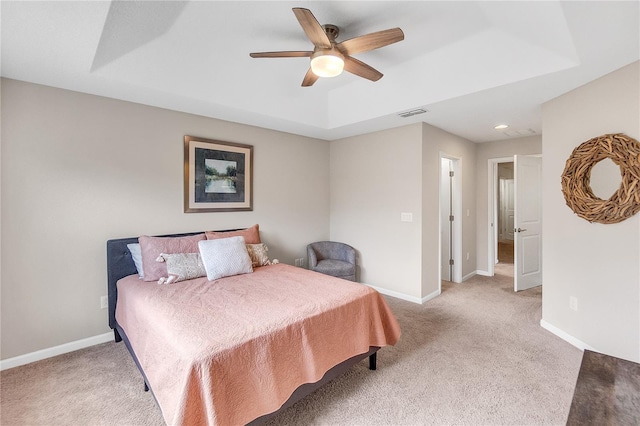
column 403, row 296
column 17, row 361
column 566, row 336
column 469, row 275
column 430, row 296
column 483, row 273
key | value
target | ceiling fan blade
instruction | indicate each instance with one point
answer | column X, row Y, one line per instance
column 309, row 79
column 312, row 28
column 361, row 69
column 371, row 41
column 285, row 54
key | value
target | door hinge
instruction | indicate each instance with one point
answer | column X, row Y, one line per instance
column 450, row 261
column 451, row 218
column 451, row 173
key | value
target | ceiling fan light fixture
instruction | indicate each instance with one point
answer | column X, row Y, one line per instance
column 327, row 63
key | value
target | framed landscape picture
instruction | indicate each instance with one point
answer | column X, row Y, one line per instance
column 218, row 176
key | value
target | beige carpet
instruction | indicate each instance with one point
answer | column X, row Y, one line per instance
column 476, row 355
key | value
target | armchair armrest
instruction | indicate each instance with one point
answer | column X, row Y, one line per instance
column 313, row 259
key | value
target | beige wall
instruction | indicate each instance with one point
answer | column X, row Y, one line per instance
column 378, row 176
column 596, row 263
column 485, row 152
column 374, row 178
column 79, row 169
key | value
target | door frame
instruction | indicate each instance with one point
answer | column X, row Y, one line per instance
column 492, row 228
column 456, row 241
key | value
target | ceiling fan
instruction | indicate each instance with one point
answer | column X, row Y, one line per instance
column 329, row 58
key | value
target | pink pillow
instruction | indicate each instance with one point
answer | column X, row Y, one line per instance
column 251, row 235
column 152, row 247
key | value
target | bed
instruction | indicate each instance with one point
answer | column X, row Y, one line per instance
column 240, row 349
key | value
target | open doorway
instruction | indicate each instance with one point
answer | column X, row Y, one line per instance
column 505, row 207
column 527, row 218
column 501, row 215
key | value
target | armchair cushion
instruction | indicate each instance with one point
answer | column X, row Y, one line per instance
column 337, row 268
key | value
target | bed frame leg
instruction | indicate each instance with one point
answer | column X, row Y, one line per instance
column 372, row 360
column 116, row 335
column 146, row 388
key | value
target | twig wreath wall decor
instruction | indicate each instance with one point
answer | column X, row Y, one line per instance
column 625, row 202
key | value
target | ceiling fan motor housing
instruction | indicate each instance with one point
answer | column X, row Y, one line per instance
column 332, row 32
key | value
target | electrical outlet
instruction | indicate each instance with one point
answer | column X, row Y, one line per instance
column 573, row 303
column 467, row 255
column 104, row 302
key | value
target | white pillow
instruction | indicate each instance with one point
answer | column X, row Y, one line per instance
column 136, row 254
column 225, row 257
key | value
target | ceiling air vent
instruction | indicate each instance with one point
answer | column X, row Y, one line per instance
column 411, row 113
column 516, row 133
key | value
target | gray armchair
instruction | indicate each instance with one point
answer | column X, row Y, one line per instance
column 333, row 258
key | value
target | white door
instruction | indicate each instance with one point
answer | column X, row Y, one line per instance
column 445, row 222
column 528, row 222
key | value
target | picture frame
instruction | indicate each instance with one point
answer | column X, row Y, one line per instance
column 218, row 176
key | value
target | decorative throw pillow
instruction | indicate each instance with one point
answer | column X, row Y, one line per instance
column 258, row 255
column 136, row 255
column 181, row 266
column 151, row 248
column 224, row 257
column 251, row 235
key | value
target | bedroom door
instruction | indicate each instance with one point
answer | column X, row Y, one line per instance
column 528, row 222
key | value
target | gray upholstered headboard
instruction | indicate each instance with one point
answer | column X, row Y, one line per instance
column 119, row 265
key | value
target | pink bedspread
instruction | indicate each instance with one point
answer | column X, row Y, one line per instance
column 229, row 351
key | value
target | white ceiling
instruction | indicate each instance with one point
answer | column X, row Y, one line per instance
column 472, row 64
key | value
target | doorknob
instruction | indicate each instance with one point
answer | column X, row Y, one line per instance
column 519, row 230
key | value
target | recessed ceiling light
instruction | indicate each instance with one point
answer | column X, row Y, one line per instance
column 501, row 126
